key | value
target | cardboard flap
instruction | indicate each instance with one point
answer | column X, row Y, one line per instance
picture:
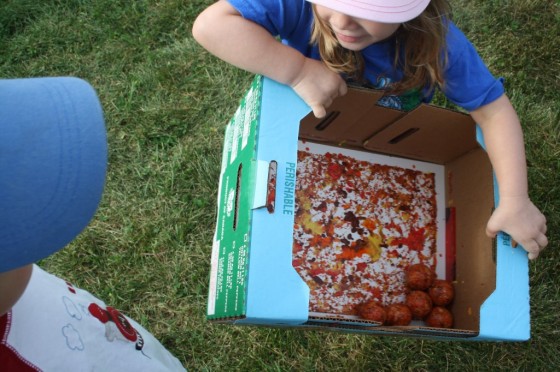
column 512, row 272
column 275, row 292
column 427, row 133
column 351, row 119
column 236, row 194
column 470, row 191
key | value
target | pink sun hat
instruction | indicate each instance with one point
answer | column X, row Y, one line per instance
column 385, row 11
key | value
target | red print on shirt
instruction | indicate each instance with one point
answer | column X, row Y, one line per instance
column 116, row 325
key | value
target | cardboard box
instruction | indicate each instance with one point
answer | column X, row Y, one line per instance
column 252, row 279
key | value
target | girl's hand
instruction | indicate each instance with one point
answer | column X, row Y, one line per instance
column 318, row 86
column 518, row 217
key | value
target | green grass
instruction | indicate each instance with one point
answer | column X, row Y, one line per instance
column 166, row 102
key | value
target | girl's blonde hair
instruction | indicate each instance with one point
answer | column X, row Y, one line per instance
column 422, row 60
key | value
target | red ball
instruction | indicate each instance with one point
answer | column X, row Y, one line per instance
column 441, row 292
column 419, row 276
column 398, row 315
column 420, row 304
column 372, row 310
column 439, row 317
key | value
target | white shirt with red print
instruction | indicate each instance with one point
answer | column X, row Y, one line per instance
column 57, row 327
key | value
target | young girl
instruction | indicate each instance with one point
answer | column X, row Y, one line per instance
column 408, row 47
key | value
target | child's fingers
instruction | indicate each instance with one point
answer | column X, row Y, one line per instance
column 542, row 241
column 493, row 226
column 532, row 248
column 319, row 111
column 532, row 255
column 491, row 232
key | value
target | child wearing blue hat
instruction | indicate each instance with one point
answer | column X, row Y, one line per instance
column 53, row 159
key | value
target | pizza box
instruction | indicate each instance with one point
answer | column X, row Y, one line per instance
column 256, row 278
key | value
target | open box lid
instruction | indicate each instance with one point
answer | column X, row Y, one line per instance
column 275, row 292
column 355, row 120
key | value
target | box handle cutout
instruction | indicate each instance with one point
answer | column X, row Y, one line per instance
column 407, row 133
column 237, row 197
column 271, row 187
column 327, row 120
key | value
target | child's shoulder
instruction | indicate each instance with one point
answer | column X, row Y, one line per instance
column 456, row 40
column 289, row 19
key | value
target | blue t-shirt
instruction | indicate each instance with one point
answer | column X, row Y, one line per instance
column 468, row 83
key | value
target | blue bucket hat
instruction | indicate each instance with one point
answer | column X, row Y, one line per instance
column 53, row 160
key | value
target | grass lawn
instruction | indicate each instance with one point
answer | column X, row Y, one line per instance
column 166, row 101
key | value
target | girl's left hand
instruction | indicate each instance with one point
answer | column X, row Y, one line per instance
column 518, row 217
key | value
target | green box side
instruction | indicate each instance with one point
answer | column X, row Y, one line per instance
column 230, row 256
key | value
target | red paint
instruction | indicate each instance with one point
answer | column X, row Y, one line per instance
column 450, row 244
column 414, row 241
column 334, row 170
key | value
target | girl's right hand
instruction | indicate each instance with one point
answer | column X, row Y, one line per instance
column 318, row 86
column 225, row 33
